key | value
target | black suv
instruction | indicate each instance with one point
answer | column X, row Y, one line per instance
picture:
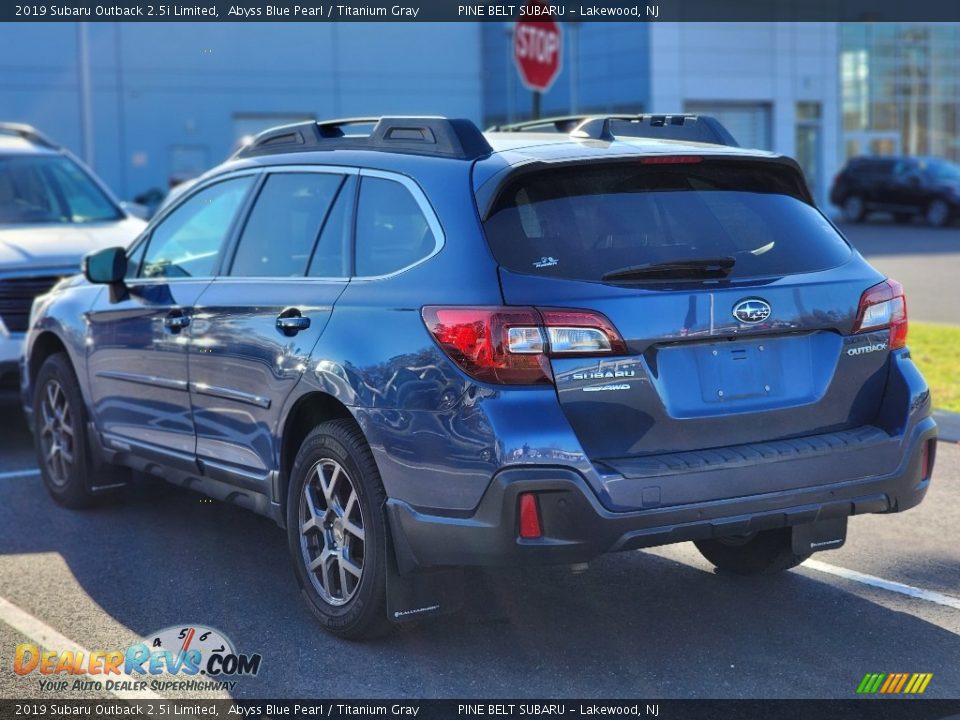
column 904, row 186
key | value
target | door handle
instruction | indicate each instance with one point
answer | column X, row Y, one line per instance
column 290, row 322
column 176, row 321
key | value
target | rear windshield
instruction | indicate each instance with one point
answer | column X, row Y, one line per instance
column 582, row 222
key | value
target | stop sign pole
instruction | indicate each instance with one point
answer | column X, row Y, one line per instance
column 537, row 49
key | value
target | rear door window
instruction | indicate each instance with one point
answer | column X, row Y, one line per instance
column 587, row 221
column 284, row 224
column 331, row 256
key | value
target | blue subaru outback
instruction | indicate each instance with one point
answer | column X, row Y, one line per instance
column 419, row 347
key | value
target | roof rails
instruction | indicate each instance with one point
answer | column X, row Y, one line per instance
column 560, row 124
column 675, row 126
column 434, row 136
column 28, row 132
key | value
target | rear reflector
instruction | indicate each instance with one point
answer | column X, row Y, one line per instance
column 926, row 459
column 512, row 345
column 884, row 306
column 529, row 517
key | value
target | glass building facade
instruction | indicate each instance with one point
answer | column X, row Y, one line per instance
column 900, row 86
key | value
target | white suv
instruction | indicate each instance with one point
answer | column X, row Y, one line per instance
column 52, row 212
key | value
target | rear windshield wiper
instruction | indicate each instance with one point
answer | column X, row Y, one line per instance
column 706, row 268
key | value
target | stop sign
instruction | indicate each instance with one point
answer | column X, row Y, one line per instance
column 537, row 40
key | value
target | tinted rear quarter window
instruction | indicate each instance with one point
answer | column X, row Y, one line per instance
column 392, row 231
column 584, row 222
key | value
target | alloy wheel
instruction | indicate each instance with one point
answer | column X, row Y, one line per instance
column 57, row 437
column 332, row 532
column 937, row 213
column 853, row 208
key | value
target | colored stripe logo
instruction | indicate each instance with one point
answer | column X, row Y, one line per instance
column 894, row 683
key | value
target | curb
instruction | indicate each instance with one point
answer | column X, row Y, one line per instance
column 949, row 424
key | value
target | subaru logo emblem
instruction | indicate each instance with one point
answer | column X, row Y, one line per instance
column 751, row 310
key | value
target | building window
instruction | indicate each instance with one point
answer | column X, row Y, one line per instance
column 900, row 86
column 749, row 123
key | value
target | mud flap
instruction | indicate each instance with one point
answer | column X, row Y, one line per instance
column 823, row 535
column 102, row 477
column 420, row 592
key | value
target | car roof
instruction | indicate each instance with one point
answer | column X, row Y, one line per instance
column 460, row 139
column 22, row 139
column 507, row 149
column 863, row 160
column 433, row 148
column 14, row 145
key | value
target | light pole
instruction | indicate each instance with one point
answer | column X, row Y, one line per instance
column 508, row 33
column 86, row 101
column 574, row 66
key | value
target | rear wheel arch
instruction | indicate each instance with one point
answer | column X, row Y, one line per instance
column 307, row 412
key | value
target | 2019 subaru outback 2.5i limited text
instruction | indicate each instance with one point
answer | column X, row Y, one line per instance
column 425, row 348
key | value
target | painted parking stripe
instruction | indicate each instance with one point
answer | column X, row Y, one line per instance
column 29, row 472
column 45, row 636
column 901, row 588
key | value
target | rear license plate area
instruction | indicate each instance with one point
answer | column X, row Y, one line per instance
column 735, row 371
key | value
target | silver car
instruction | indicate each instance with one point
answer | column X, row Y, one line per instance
column 53, row 211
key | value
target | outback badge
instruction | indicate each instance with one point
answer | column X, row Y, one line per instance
column 751, row 310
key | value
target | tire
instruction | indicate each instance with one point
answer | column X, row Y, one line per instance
column 937, row 213
column 60, row 430
column 763, row 553
column 853, row 209
column 335, row 524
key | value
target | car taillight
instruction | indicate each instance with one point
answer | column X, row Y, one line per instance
column 512, row 345
column 884, row 306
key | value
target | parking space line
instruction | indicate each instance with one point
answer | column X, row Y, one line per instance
column 29, row 472
column 44, row 635
column 873, row 581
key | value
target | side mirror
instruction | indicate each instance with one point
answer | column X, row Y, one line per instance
column 106, row 267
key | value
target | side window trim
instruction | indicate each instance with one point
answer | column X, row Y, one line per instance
column 439, row 238
column 347, row 185
column 227, row 260
column 147, row 237
column 236, row 228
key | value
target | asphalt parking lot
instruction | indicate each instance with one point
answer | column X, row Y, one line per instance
column 925, row 260
column 657, row 623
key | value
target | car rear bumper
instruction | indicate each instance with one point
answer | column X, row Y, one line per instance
column 577, row 527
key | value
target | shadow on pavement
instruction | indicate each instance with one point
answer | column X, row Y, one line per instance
column 634, row 625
